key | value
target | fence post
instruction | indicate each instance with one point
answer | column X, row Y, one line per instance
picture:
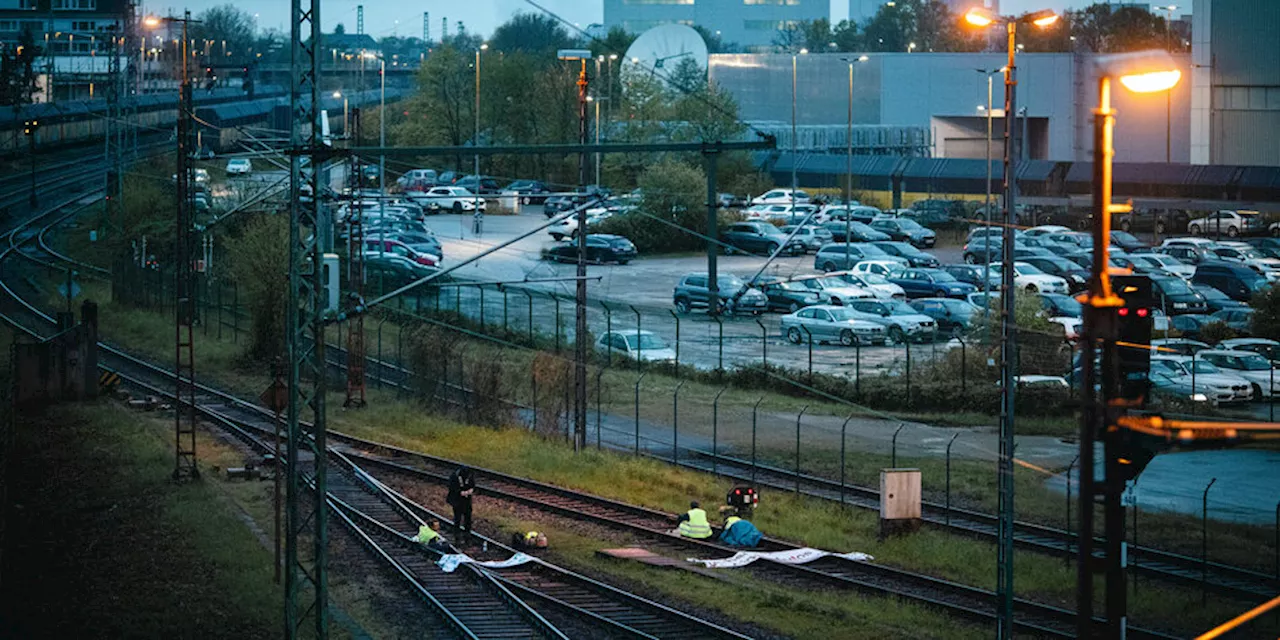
column 907, row 344
column 235, row 314
column 677, row 319
column 533, row 379
column 964, row 364
column 949, row 443
column 675, row 424
column 715, row 432
column 638, row 380
column 529, row 296
column 720, row 344
column 220, row 290
column 556, row 298
column 599, row 392
column 764, row 344
column 1133, row 495
column 809, row 334
column 639, row 361
column 857, row 369
column 798, row 417
column 505, row 328
column 457, row 299
column 608, row 329
column 893, row 460
column 843, row 428
column 1066, row 545
column 1276, row 543
column 754, row 410
column 483, row 327
column 1204, row 543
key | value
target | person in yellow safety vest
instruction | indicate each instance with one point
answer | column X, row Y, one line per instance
column 694, row 523
column 429, row 535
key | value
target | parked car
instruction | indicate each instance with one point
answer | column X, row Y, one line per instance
column 843, row 256
column 908, row 252
column 1060, row 305
column 1127, row 241
column 885, row 268
column 239, row 167
column 782, row 196
column 979, row 248
column 1152, row 263
column 417, row 179
column 568, row 227
column 558, row 204
column 855, row 213
column 1236, row 280
column 482, row 185
column 901, row 321
column 930, row 283
column 786, row 295
column 1269, row 245
column 1174, row 296
column 426, row 244
column 832, row 291
column 645, row 346
column 378, row 245
column 447, row 178
column 601, row 248
column 758, row 237
column 1045, row 230
column 853, row 232
column 1170, row 376
column 730, row 201
column 733, row 295
column 877, row 285
column 1265, row 347
column 906, row 230
column 971, row 274
column 1077, row 277
column 1249, row 256
column 825, row 323
column 1033, row 280
column 454, row 199
column 1216, row 300
column 1189, row 325
column 1249, row 365
column 1227, row 223
column 953, row 316
column 393, row 270
column 529, row 191
column 811, row 236
column 1240, row 319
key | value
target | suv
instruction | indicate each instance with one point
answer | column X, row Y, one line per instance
column 1228, row 222
column 482, row 185
column 812, row 236
column 782, row 196
column 1236, row 280
column 906, row 230
column 734, row 295
column 751, row 237
column 417, row 179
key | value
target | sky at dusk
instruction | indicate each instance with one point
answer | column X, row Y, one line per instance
column 388, row 17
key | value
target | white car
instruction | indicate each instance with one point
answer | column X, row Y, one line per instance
column 782, row 213
column 879, row 287
column 1225, row 222
column 568, row 228
column 1199, row 243
column 1274, row 229
column 882, row 268
column 1207, row 372
column 455, row 199
column 1031, row 279
column 637, row 345
column 859, row 212
column 832, row 290
column 1249, row 256
column 1173, row 375
column 782, row 196
column 239, row 167
column 1248, row 365
column 1046, row 229
column 1168, row 264
column 1071, row 327
column 1265, row 346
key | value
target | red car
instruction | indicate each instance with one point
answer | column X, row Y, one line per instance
column 400, row 249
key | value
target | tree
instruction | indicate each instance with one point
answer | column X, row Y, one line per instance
column 891, row 29
column 533, row 33
column 259, row 265
column 1266, row 314
column 224, row 22
column 17, row 72
column 715, row 44
column 814, row 35
column 339, row 30
column 847, row 37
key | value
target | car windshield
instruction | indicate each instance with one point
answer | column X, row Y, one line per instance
column 1027, row 270
column 1202, row 366
column 900, row 308
column 1253, row 362
column 908, row 225
column 842, row 313
column 644, row 341
column 770, row 230
column 1067, row 305
column 942, row 276
column 908, row 250
column 871, row 250
column 824, row 283
column 1167, row 367
column 1174, row 287
column 729, row 283
column 959, row 307
column 1164, row 261
column 1211, row 293
column 1251, row 254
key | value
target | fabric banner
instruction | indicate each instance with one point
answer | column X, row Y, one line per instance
column 790, row 556
column 449, row 562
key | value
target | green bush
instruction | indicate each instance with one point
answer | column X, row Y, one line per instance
column 1266, row 317
column 673, row 192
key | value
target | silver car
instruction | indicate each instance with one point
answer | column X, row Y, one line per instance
column 900, row 319
column 1248, row 365
column 830, row 324
column 832, row 290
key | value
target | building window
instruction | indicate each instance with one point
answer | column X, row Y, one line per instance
column 27, row 4
column 84, row 25
column 75, row 5
column 769, row 25
column 789, row 3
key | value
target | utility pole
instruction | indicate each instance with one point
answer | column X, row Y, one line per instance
column 426, row 28
column 355, row 277
column 580, row 310
column 1008, row 351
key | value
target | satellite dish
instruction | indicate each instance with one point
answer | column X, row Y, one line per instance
column 663, row 47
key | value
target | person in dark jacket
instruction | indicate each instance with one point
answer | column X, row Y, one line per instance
column 462, row 486
column 738, row 532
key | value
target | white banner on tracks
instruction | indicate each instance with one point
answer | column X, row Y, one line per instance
column 451, row 561
column 791, row 556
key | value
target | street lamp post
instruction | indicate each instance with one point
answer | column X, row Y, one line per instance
column 1168, row 97
column 986, row 210
column 848, row 163
column 1140, row 72
column 346, row 118
column 477, row 215
column 580, row 291
column 1008, row 323
column 794, row 142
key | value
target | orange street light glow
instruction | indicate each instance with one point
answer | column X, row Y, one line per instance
column 1152, row 81
column 151, row 21
column 1045, row 21
column 978, row 18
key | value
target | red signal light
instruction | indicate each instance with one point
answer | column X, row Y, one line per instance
column 1144, row 312
column 1122, row 311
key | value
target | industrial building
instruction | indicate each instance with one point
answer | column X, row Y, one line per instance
column 75, row 36
column 1235, row 82
column 753, row 24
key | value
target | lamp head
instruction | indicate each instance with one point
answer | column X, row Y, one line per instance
column 484, row 46
column 613, row 56
column 1141, row 71
column 151, row 21
column 863, row 58
column 337, row 94
column 1043, row 19
column 979, row 17
column 804, row 52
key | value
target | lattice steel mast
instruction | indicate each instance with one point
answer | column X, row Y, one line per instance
column 355, row 276
column 306, row 580
column 184, row 414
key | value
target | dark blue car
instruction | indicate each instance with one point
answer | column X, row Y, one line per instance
column 931, row 283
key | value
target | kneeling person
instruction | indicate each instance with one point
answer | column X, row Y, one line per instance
column 739, row 533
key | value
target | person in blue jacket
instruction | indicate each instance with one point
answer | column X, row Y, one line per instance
column 738, row 532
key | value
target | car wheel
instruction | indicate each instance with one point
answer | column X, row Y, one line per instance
column 1194, row 229
column 771, row 248
column 623, row 261
column 969, row 258
column 828, row 267
column 1159, row 227
column 896, row 334
column 1256, row 394
column 847, row 338
column 682, row 305
column 457, row 207
column 1031, row 288
column 1232, row 232
column 557, row 237
column 940, row 293
column 526, row 200
column 728, row 250
column 793, row 334
column 795, row 306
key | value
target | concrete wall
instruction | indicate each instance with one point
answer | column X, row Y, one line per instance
column 944, row 90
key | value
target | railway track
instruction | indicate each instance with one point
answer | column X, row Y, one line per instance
column 470, row 603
